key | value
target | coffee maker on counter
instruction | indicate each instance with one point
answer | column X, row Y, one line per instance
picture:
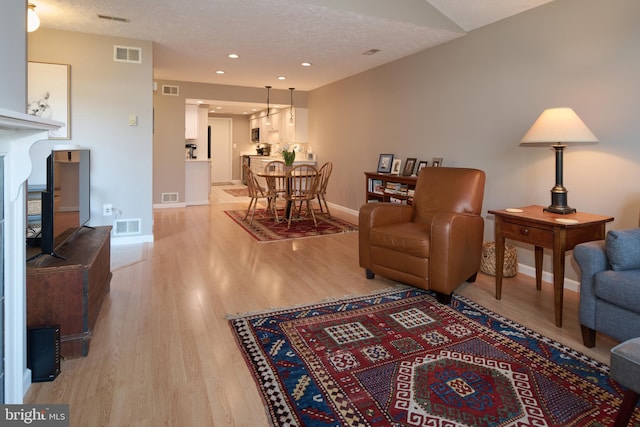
column 190, row 151
column 264, row 150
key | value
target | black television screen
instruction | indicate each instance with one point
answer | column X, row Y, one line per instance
column 66, row 197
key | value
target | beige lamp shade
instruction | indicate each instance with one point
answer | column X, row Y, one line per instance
column 558, row 125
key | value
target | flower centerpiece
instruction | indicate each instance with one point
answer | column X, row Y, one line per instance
column 289, row 155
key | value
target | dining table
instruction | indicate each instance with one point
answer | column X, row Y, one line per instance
column 271, row 177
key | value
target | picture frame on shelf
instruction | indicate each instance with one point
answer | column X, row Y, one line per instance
column 409, row 166
column 385, row 163
column 436, row 162
column 395, row 168
column 421, row 165
column 48, row 95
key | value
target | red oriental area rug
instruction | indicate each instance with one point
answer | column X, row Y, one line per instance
column 399, row 358
column 266, row 229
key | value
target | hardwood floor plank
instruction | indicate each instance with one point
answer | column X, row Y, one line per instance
column 162, row 352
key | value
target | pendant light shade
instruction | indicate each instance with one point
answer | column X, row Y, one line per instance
column 268, row 107
column 291, row 89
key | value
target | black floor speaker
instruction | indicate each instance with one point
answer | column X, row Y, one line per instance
column 43, row 353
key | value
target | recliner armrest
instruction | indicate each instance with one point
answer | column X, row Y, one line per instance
column 456, row 249
column 592, row 259
column 375, row 214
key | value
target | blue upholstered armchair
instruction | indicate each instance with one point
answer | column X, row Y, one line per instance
column 610, row 286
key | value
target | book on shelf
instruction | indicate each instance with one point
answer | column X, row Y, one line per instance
column 398, row 201
column 396, row 188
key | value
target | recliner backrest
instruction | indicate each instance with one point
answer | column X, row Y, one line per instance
column 441, row 189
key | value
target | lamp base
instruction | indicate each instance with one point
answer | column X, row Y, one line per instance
column 563, row 210
column 559, row 201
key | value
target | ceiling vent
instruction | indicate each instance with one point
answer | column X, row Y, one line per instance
column 170, row 90
column 127, row 54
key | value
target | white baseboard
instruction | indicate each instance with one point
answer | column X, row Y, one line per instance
column 530, row 271
column 131, row 240
column 169, row 205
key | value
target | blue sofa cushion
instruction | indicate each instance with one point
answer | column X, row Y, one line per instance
column 623, row 249
column 620, row 288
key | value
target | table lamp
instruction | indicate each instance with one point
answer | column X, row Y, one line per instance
column 558, row 126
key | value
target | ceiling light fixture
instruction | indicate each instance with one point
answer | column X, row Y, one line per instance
column 268, row 122
column 219, row 72
column 282, row 78
column 371, row 52
column 233, row 56
column 306, row 64
column 33, row 20
column 291, row 89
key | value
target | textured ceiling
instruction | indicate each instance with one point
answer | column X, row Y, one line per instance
column 192, row 39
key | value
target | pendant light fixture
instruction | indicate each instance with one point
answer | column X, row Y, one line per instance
column 291, row 89
column 268, row 122
column 33, row 20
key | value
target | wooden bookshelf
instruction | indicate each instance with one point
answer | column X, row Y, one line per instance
column 384, row 187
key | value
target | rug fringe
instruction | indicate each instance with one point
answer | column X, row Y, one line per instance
column 394, row 288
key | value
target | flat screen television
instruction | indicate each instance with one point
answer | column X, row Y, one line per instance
column 65, row 201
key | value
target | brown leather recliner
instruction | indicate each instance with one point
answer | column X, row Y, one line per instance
column 435, row 243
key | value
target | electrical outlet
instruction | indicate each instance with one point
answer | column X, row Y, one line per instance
column 107, row 209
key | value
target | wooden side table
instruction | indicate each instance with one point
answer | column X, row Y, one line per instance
column 545, row 230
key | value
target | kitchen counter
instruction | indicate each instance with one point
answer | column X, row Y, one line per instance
column 197, row 181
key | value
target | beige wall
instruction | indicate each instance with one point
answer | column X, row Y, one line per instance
column 472, row 99
column 104, row 93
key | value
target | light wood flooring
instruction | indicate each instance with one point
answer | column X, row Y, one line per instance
column 162, row 352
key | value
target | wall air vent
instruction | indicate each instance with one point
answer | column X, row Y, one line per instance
column 127, row 54
column 169, row 197
column 125, row 227
column 170, row 90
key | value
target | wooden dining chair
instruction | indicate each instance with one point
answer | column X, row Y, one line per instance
column 276, row 186
column 256, row 193
column 323, row 180
column 302, row 188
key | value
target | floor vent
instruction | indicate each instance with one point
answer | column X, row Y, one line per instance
column 127, row 226
column 170, row 90
column 169, row 197
column 127, row 54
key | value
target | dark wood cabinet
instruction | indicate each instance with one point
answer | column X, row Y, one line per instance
column 69, row 292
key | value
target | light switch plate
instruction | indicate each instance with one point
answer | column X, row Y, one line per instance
column 133, row 120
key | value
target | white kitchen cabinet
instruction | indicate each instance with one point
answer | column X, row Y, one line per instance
column 191, row 121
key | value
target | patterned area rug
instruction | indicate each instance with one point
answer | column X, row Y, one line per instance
column 237, row 192
column 266, row 229
column 399, row 358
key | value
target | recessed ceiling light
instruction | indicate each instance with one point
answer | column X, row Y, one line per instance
column 306, row 64
column 282, row 78
column 371, row 52
column 233, row 56
column 219, row 72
